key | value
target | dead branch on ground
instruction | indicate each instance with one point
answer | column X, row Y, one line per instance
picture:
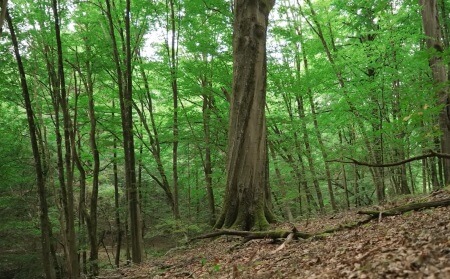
column 294, row 234
column 405, row 208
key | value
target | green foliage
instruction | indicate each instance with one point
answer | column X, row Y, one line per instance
column 19, row 227
column 372, row 95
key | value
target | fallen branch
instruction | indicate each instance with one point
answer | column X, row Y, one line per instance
column 405, row 208
column 346, row 226
column 294, row 234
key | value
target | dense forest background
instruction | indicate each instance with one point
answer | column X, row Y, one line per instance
column 130, row 107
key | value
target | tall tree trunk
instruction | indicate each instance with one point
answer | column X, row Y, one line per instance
column 71, row 240
column 308, row 151
column 173, row 52
column 117, row 206
column 247, row 198
column 344, row 174
column 83, row 216
column 298, row 30
column 117, row 210
column 45, row 225
column 125, row 87
column 282, row 185
column 375, row 172
column 137, row 249
column 207, row 165
column 432, row 29
column 399, row 149
column 91, row 216
column 93, row 257
column 444, row 16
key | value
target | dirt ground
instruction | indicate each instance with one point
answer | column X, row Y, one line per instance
column 413, row 245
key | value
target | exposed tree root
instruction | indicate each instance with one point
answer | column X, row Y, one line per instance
column 255, row 234
column 294, row 234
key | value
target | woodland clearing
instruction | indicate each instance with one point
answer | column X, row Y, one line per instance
column 415, row 244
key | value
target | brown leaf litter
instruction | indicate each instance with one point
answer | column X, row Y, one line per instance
column 413, row 245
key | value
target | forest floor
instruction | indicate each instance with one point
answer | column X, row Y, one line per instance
column 413, row 245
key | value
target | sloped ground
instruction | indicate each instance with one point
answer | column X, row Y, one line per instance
column 414, row 245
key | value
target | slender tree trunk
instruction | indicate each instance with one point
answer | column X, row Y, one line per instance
column 399, row 149
column 128, row 140
column 298, row 29
column 116, row 202
column 424, row 176
column 375, row 172
column 173, row 52
column 91, row 216
column 93, row 257
column 45, row 225
column 344, row 174
column 154, row 144
column 71, row 240
column 299, row 171
column 124, row 82
column 282, row 186
column 84, row 218
column 207, row 166
column 308, row 151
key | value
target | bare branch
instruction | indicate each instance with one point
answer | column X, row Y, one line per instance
column 416, row 158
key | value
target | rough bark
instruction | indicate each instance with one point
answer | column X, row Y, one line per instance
column 247, row 197
column 432, row 30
